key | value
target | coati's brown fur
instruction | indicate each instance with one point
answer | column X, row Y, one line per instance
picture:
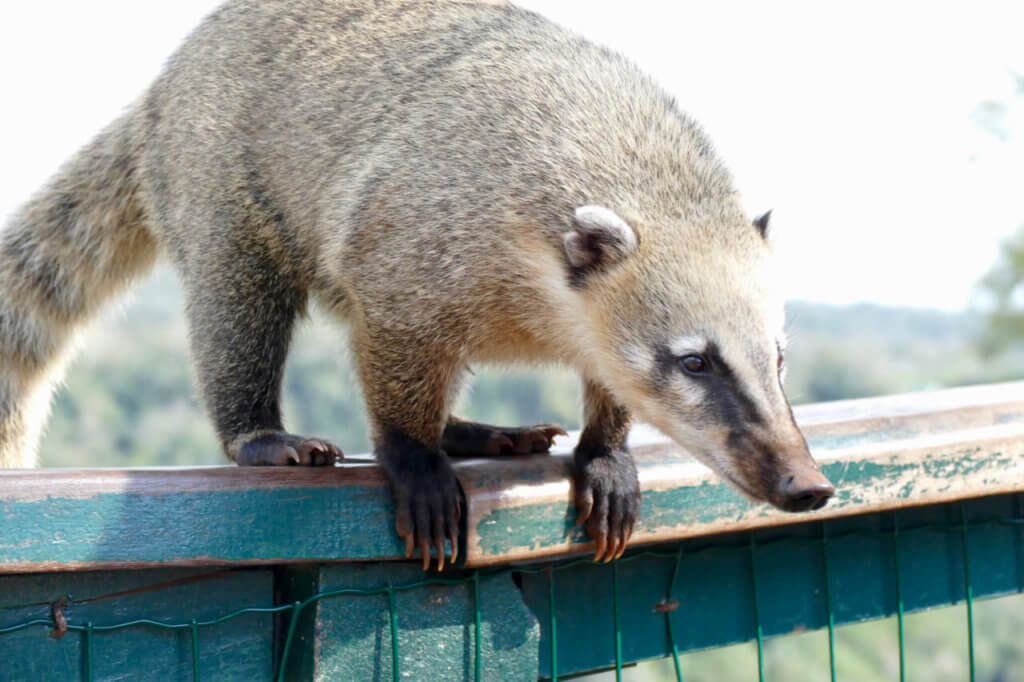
column 460, row 182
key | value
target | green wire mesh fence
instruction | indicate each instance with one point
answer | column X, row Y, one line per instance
column 894, row 537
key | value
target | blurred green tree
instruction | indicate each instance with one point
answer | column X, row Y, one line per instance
column 1002, row 287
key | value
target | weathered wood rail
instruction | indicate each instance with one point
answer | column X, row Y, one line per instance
column 918, row 477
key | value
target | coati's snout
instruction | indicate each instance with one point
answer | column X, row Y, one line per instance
column 796, row 484
column 770, row 462
column 804, row 491
column 805, row 495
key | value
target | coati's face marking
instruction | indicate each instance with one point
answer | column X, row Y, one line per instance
column 690, row 338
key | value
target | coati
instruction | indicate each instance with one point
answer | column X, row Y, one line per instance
column 461, row 182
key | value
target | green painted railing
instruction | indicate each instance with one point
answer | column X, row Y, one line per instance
column 222, row 573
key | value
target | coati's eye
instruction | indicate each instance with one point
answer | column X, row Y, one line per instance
column 782, row 360
column 693, row 364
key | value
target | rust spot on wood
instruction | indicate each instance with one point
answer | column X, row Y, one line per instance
column 60, row 620
column 666, row 606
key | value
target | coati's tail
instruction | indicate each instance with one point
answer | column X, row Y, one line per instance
column 74, row 245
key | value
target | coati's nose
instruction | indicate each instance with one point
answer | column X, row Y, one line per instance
column 805, row 492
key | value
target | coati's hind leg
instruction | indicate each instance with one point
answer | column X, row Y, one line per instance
column 240, row 325
column 463, row 438
column 406, row 383
column 607, row 489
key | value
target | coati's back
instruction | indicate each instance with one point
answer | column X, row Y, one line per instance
column 441, row 120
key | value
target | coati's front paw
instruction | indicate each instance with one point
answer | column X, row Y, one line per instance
column 427, row 503
column 470, row 439
column 284, row 449
column 607, row 500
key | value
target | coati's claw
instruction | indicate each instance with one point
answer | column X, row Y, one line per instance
column 607, row 500
column 425, row 552
column 404, row 528
column 584, row 506
column 435, row 523
column 427, row 505
column 285, row 449
column 540, row 438
column 470, row 439
column 453, row 538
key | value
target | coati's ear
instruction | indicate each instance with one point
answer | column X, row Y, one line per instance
column 761, row 223
column 600, row 237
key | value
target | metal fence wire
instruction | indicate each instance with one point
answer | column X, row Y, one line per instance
column 677, row 555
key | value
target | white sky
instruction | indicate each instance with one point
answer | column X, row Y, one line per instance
column 851, row 120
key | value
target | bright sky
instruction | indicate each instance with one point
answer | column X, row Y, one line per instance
column 851, row 120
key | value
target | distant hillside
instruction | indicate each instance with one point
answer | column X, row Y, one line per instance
column 866, row 349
